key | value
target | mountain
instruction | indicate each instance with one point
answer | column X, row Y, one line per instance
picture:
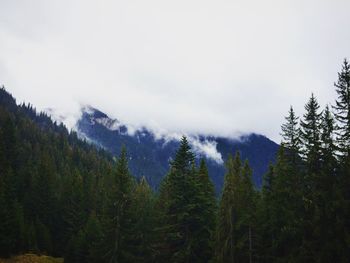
column 150, row 154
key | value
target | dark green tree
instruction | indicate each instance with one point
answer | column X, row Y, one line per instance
column 72, row 210
column 310, row 135
column 116, row 220
column 225, row 249
column 208, row 208
column 342, row 108
column 325, row 194
column 182, row 224
column 342, row 115
column 93, row 237
column 143, row 222
column 291, row 136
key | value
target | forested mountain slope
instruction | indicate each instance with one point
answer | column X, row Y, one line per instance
column 150, row 154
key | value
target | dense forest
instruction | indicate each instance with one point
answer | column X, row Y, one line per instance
column 61, row 196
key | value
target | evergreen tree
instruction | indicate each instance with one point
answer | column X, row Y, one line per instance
column 208, row 207
column 247, row 222
column 143, row 221
column 325, row 195
column 8, row 223
column 342, row 108
column 342, row 115
column 266, row 213
column 182, row 223
column 285, row 211
column 328, row 146
column 225, row 250
column 72, row 214
column 291, row 136
column 116, row 216
column 310, row 135
column 93, row 237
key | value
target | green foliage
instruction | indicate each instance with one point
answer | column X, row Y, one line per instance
column 236, row 219
column 61, row 196
column 310, row 135
column 342, row 108
column 116, row 217
column 186, row 197
column 143, row 221
column 43, row 170
column 291, row 135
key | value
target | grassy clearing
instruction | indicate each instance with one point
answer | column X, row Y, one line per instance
column 31, row 258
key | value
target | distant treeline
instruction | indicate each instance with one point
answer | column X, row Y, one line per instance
column 61, row 196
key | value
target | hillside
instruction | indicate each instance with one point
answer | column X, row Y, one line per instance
column 150, row 154
column 49, row 180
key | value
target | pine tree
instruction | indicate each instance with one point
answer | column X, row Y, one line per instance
column 93, row 237
column 114, row 247
column 207, row 209
column 328, row 146
column 72, row 214
column 342, row 108
column 310, row 135
column 143, row 221
column 284, row 209
column 325, row 195
column 225, row 250
column 266, row 214
column 247, row 222
column 181, row 210
column 291, row 136
column 8, row 223
column 342, row 115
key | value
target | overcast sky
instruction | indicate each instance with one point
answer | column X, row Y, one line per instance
column 217, row 67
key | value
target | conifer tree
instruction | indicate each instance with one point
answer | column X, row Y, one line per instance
column 114, row 247
column 181, row 214
column 328, row 146
column 9, row 223
column 143, row 221
column 266, row 210
column 342, row 108
column 291, row 136
column 342, row 115
column 72, row 214
column 285, row 211
column 207, row 209
column 325, row 195
column 247, row 224
column 93, row 236
column 310, row 135
column 225, row 250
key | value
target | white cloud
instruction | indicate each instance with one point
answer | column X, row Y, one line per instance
column 217, row 67
column 206, row 148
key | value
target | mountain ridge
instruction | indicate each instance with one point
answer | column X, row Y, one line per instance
column 150, row 152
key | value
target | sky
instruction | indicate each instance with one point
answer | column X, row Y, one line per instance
column 223, row 67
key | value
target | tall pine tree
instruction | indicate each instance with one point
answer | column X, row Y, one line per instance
column 116, row 218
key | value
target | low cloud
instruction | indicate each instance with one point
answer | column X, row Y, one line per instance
column 207, row 149
column 214, row 67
